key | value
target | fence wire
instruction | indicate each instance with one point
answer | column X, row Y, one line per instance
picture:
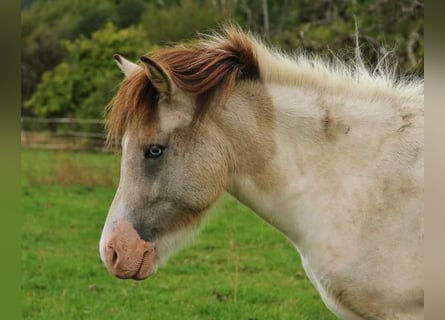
column 64, row 134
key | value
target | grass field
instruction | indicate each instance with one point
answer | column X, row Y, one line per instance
column 238, row 268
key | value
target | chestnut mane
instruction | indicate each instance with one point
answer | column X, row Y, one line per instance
column 208, row 70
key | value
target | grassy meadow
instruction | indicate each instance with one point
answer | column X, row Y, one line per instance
column 238, row 268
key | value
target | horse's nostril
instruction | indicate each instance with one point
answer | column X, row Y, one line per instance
column 115, row 257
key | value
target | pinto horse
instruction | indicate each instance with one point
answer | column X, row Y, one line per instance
column 329, row 154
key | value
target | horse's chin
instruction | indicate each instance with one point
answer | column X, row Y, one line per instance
column 170, row 243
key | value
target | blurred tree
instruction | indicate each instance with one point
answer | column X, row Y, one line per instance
column 26, row 3
column 84, row 85
column 179, row 21
column 41, row 50
column 128, row 12
column 327, row 26
column 44, row 26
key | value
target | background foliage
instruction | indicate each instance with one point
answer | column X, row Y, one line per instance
column 67, row 65
column 81, row 85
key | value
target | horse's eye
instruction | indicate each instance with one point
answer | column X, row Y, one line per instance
column 153, row 151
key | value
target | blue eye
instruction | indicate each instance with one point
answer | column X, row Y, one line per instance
column 153, row 151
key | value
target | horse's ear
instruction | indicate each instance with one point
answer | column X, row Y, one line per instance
column 158, row 76
column 128, row 68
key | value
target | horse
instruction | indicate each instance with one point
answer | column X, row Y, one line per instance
column 329, row 153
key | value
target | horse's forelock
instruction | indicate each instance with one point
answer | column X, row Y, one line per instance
column 135, row 102
column 209, row 69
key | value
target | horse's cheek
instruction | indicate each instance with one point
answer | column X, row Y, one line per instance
column 199, row 186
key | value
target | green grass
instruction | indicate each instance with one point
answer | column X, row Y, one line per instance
column 238, row 268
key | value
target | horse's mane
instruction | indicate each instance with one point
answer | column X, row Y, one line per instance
column 208, row 70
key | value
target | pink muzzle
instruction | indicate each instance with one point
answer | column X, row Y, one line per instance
column 126, row 255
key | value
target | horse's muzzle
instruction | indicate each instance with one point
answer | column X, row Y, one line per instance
column 126, row 255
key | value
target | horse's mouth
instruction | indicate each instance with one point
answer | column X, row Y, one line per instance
column 147, row 266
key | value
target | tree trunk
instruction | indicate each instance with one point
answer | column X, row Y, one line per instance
column 266, row 31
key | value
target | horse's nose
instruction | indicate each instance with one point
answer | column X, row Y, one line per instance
column 126, row 255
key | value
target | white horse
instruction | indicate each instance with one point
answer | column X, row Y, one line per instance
column 330, row 155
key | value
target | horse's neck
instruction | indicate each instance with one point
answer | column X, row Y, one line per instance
column 322, row 147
